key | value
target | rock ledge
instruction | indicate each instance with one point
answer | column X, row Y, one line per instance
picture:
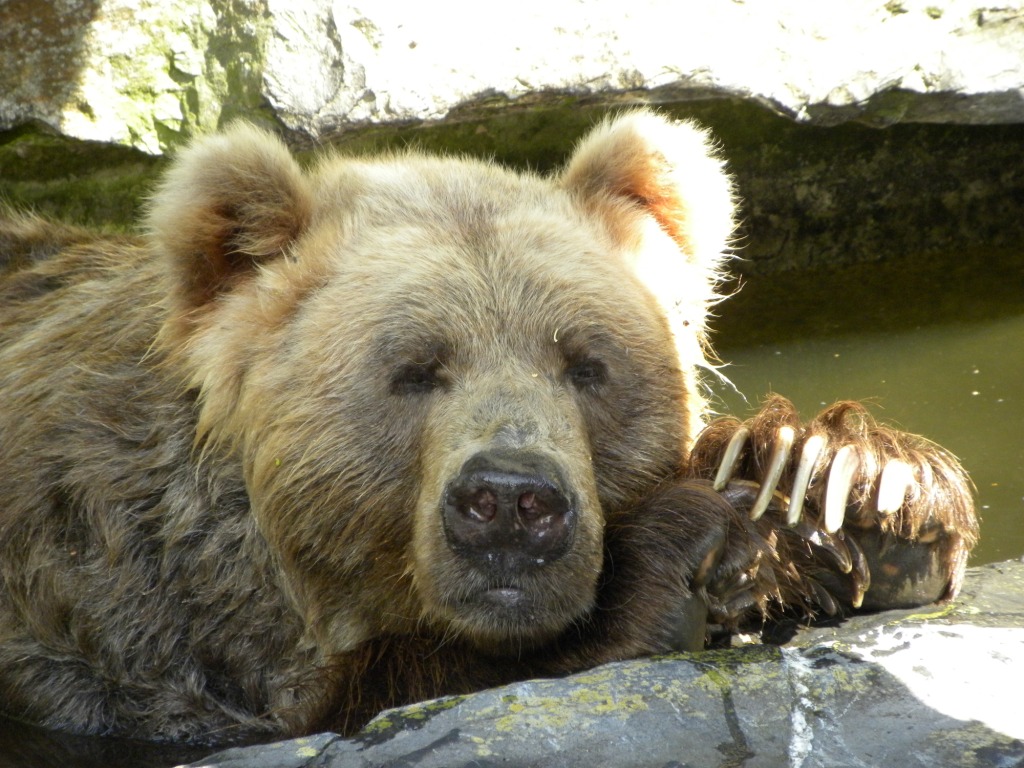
column 910, row 688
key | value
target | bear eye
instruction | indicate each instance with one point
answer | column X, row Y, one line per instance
column 417, row 379
column 587, row 374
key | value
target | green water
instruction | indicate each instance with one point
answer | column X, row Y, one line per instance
column 937, row 345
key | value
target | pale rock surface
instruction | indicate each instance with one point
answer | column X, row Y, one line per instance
column 143, row 72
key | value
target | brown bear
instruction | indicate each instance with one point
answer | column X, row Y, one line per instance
column 323, row 441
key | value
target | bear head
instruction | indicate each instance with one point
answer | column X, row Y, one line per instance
column 441, row 378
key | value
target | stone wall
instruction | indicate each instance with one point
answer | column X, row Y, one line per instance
column 856, row 131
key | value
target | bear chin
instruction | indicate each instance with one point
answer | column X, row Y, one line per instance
column 526, row 613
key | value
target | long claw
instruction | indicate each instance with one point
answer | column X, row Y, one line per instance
column 834, row 546
column 809, row 456
column 861, row 572
column 824, row 600
column 840, row 483
column 897, row 477
column 737, row 606
column 740, row 493
column 708, row 564
column 780, row 455
column 737, row 443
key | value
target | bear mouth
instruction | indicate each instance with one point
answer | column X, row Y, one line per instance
column 503, row 611
column 506, row 598
column 508, row 601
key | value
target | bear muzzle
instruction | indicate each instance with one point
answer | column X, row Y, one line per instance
column 509, row 513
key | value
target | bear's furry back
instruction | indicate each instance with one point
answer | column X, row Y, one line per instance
column 137, row 591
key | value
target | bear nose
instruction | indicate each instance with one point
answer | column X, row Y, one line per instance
column 508, row 511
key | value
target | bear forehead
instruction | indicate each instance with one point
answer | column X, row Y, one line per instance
column 413, row 184
column 423, row 251
column 432, row 223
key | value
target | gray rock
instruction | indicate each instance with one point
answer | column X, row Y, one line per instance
column 930, row 687
column 143, row 72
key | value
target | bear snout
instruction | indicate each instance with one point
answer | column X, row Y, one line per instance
column 509, row 513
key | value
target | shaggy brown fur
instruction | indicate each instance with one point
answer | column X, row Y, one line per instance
column 257, row 462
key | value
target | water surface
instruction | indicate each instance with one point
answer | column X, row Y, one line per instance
column 935, row 344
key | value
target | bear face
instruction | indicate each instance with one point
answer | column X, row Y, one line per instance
column 493, row 363
column 465, row 385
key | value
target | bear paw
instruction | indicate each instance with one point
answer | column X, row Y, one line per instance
column 839, row 513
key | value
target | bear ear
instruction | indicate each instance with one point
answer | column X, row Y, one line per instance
column 229, row 203
column 641, row 162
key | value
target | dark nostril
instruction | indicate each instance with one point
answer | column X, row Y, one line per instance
column 539, row 508
column 481, row 506
column 528, row 507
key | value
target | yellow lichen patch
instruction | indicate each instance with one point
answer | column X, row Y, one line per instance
column 303, row 748
column 677, row 693
column 414, row 713
column 603, row 701
column 378, row 725
column 547, row 714
column 598, row 676
column 579, row 707
column 940, row 611
column 481, row 746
